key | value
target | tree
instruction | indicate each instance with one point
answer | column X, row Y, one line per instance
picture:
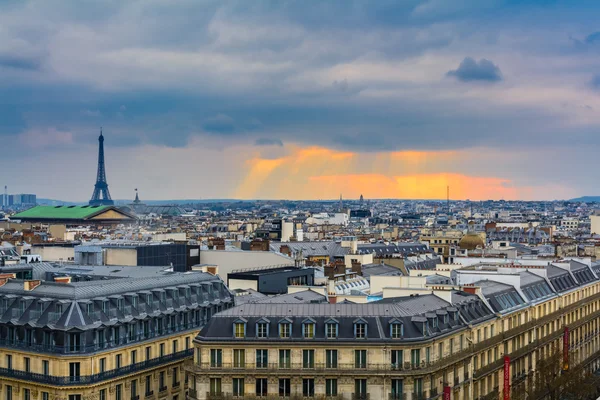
column 550, row 382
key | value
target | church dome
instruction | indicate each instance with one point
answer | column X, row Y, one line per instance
column 471, row 241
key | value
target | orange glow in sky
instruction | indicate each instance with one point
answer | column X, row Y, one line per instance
column 321, row 173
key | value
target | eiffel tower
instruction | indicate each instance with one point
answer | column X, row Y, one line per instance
column 101, row 196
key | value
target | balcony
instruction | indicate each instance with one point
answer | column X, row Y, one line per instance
column 276, row 368
column 91, row 379
column 229, row 396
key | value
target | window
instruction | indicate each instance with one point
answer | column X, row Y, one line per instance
column 187, row 343
column 331, row 358
column 148, row 353
column 308, row 358
column 119, row 392
column 74, row 369
column 9, row 363
column 161, row 381
column 239, row 330
column 262, row 358
column 133, row 356
column 175, row 346
column 26, row 394
column 415, row 357
column 308, row 387
column 74, row 397
column 285, row 330
column 162, row 349
column 262, row 329
column 360, row 330
column 134, row 389
column 46, row 396
column 360, row 358
column 360, row 388
column 397, row 359
column 239, row 358
column 284, row 387
column 397, row 331
column 285, row 358
column 148, row 385
column 261, row 387
column 397, row 389
column 27, row 362
column 216, row 358
column 175, row 381
column 8, row 392
column 215, row 386
column 331, row 387
column 118, row 359
column 308, row 329
column 331, row 330
column 238, row 387
column 418, row 387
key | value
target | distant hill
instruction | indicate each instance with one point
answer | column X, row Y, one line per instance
column 587, row 199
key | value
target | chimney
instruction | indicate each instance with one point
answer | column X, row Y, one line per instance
column 30, row 285
column 329, row 271
column 62, row 279
column 357, row 267
column 285, row 249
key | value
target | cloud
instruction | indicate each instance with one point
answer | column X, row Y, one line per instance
column 592, row 38
column 46, row 138
column 595, row 83
column 268, row 142
column 17, row 62
column 91, row 113
column 470, row 70
column 220, row 123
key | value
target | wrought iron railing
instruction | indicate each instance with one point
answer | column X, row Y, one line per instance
column 89, row 379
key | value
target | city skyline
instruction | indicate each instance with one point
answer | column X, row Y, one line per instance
column 276, row 100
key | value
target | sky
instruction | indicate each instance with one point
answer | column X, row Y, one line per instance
column 306, row 99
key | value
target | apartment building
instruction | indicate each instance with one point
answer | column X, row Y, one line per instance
column 80, row 332
column 338, row 351
column 483, row 342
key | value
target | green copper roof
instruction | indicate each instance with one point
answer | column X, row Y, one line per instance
column 59, row 212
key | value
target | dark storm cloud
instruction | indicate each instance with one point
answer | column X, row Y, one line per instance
column 15, row 62
column 268, row 142
column 220, row 123
column 592, row 38
column 342, row 73
column 470, row 70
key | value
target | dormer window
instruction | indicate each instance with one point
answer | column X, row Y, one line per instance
column 425, row 328
column 285, row 329
column 239, row 328
column 90, row 308
column 120, row 304
column 59, row 308
column 396, row 330
column 149, row 299
column 434, row 322
column 308, row 328
column 262, row 328
column 105, row 306
column 360, row 329
column 446, row 319
column 331, row 329
column 134, row 301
